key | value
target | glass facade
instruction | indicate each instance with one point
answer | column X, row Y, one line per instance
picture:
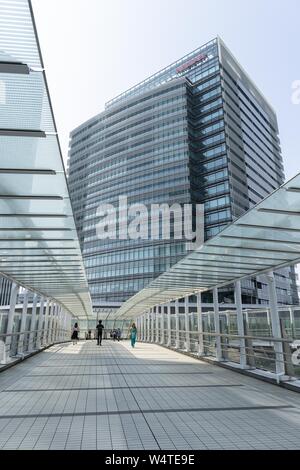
column 39, row 247
column 196, row 132
column 139, row 150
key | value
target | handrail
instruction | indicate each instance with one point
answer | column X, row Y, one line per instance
column 30, row 331
column 261, row 338
column 250, row 351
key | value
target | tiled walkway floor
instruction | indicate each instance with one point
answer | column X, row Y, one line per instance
column 113, row 397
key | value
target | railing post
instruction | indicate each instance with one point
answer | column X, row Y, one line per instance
column 61, row 315
column 177, row 344
column 152, row 326
column 33, row 323
column 275, row 322
column 52, row 322
column 46, row 324
column 40, row 323
column 292, row 322
column 200, row 325
column 10, row 320
column 156, row 327
column 289, row 366
column 138, row 325
column 162, row 325
column 55, row 322
column 250, row 355
column 57, row 337
column 58, row 320
column 62, row 322
column 169, row 325
column 23, row 322
column 187, row 326
column 67, row 326
column 148, row 326
column 240, row 322
column 50, row 316
column 142, row 328
column 217, row 324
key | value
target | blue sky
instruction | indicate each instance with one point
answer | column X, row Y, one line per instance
column 96, row 49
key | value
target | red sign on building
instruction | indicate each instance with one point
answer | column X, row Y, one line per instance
column 195, row 60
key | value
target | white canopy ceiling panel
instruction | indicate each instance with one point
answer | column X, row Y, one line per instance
column 39, row 247
column 266, row 238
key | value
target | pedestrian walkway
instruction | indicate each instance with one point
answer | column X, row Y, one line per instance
column 115, row 397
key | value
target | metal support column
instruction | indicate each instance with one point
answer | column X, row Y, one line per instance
column 64, row 324
column 142, row 328
column 52, row 322
column 240, row 322
column 46, row 323
column 53, row 329
column 145, row 327
column 200, row 325
column 33, row 323
column 292, row 322
column 10, row 320
column 23, row 322
column 57, row 323
column 60, row 324
column 162, row 325
column 148, row 326
column 152, row 326
column 57, row 332
column 217, row 324
column 169, row 325
column 177, row 344
column 40, row 323
column 187, row 326
column 275, row 322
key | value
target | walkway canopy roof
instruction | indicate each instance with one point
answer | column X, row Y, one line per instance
column 267, row 237
column 39, row 246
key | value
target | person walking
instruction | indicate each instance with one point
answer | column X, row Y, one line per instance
column 133, row 333
column 119, row 334
column 75, row 332
column 100, row 328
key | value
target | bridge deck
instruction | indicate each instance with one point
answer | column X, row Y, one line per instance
column 113, row 397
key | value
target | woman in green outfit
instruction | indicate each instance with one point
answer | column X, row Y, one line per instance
column 133, row 332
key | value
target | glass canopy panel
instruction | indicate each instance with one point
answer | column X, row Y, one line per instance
column 37, row 222
column 30, row 153
column 33, row 207
column 265, row 238
column 17, row 38
column 24, row 103
column 40, row 236
column 33, row 185
column 15, row 245
column 271, row 220
column 28, row 254
column 262, row 234
column 39, row 247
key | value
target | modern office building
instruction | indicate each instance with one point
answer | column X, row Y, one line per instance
column 199, row 131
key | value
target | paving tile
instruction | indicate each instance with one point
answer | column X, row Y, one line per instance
column 113, row 397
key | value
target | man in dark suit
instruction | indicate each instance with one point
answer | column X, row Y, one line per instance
column 100, row 328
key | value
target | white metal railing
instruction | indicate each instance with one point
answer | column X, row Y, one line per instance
column 19, row 344
column 257, row 349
